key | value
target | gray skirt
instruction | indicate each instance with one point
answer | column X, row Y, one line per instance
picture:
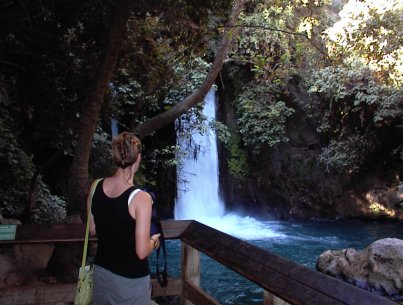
column 113, row 289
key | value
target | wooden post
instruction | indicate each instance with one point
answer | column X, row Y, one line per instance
column 190, row 270
column 271, row 299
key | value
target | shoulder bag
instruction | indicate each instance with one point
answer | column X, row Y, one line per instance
column 85, row 275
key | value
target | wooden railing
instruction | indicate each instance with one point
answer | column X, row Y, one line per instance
column 283, row 281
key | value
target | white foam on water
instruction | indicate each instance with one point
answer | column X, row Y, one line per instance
column 243, row 227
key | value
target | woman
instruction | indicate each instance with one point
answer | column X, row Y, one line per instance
column 121, row 271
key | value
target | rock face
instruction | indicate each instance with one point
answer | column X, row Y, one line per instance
column 288, row 181
column 377, row 268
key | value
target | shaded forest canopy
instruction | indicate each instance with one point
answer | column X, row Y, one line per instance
column 333, row 66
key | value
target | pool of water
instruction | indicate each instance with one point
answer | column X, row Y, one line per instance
column 301, row 242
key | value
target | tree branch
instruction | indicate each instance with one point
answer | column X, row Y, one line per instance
column 169, row 116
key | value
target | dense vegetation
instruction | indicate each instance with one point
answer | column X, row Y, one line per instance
column 346, row 57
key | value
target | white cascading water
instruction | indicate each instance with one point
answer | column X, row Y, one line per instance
column 198, row 188
column 197, row 196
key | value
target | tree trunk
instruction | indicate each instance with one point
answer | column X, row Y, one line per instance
column 78, row 176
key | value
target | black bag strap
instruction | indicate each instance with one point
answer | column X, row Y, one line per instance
column 162, row 277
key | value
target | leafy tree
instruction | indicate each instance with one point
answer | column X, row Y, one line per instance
column 371, row 31
column 280, row 37
column 78, row 63
column 78, row 178
column 361, row 93
column 43, row 50
column 17, row 167
column 277, row 40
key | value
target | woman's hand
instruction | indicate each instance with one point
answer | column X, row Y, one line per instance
column 156, row 240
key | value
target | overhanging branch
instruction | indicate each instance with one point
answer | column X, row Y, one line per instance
column 170, row 115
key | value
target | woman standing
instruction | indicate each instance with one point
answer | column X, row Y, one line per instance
column 122, row 225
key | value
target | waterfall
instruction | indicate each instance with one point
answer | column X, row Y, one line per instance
column 198, row 188
column 114, row 128
column 198, row 196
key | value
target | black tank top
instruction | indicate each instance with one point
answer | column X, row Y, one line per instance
column 116, row 231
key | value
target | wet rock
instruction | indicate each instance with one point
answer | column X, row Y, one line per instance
column 377, row 268
column 33, row 257
column 23, row 263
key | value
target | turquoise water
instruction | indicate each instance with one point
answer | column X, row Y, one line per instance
column 301, row 242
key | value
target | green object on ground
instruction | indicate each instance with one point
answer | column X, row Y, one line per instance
column 7, row 232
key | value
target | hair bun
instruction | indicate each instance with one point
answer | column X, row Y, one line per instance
column 126, row 148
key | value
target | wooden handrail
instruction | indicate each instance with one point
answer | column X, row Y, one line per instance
column 283, row 281
column 289, row 281
column 73, row 233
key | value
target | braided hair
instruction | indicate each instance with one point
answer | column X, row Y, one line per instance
column 126, row 148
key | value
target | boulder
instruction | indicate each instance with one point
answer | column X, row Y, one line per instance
column 31, row 258
column 377, row 268
column 9, row 221
column 20, row 264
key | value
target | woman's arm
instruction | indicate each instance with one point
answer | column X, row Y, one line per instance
column 140, row 209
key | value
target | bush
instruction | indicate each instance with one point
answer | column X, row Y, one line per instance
column 261, row 116
column 48, row 208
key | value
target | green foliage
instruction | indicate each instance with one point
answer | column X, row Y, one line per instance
column 17, row 172
column 261, row 116
column 372, row 31
column 129, row 100
column 354, row 103
column 191, row 76
column 49, row 51
column 52, row 51
column 49, row 208
column 357, row 98
column 166, row 157
column 17, row 166
column 100, row 164
column 261, row 47
column 303, row 168
column 360, row 95
column 237, row 160
column 278, row 37
column 145, row 72
column 223, row 133
column 346, row 155
column 126, row 94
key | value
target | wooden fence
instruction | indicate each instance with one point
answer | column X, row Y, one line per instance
column 283, row 281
